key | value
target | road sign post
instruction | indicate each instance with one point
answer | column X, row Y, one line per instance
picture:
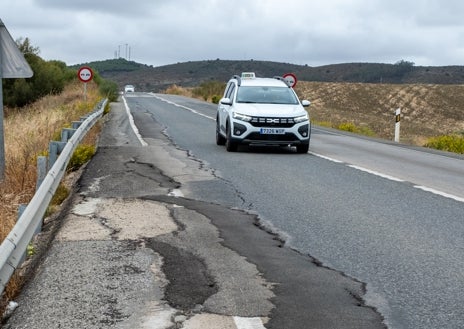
column 85, row 74
column 12, row 65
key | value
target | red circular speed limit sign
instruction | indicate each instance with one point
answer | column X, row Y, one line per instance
column 291, row 79
column 85, row 74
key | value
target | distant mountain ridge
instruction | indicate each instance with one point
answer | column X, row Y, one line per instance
column 192, row 73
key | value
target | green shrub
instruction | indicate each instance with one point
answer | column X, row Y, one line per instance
column 30, row 250
column 450, row 143
column 50, row 77
column 60, row 195
column 81, row 155
column 107, row 108
column 351, row 127
column 215, row 99
column 347, row 126
column 109, row 89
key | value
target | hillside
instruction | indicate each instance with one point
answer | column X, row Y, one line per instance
column 428, row 110
column 188, row 74
column 431, row 98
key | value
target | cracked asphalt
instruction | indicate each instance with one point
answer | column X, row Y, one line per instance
column 136, row 250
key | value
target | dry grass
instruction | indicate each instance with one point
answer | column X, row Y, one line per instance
column 27, row 134
column 180, row 91
column 427, row 110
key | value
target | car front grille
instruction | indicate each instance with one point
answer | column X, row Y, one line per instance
column 272, row 122
column 288, row 137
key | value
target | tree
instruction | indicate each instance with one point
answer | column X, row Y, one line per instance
column 24, row 45
column 49, row 77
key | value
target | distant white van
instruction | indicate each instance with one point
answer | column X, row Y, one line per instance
column 129, row 89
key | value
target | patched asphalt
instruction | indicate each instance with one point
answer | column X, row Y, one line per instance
column 132, row 253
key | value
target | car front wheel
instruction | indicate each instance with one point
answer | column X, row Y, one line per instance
column 303, row 148
column 230, row 145
column 220, row 140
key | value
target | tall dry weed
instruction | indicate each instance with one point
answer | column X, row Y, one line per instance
column 28, row 132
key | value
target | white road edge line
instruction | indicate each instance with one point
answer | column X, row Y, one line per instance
column 248, row 323
column 132, row 123
column 377, row 173
column 443, row 194
column 182, row 106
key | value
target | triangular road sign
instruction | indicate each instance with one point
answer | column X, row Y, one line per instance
column 12, row 61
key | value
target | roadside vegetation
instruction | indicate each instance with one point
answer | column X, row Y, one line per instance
column 450, row 143
column 35, row 112
column 210, row 91
column 28, row 131
column 432, row 115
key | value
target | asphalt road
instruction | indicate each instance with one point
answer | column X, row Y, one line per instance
column 387, row 215
column 155, row 237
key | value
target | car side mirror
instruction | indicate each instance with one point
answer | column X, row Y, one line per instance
column 225, row 101
column 305, row 103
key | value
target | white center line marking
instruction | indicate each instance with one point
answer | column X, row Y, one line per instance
column 184, row 107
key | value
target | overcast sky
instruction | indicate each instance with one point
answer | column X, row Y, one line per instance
column 312, row 32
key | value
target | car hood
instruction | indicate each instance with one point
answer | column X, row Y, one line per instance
column 270, row 110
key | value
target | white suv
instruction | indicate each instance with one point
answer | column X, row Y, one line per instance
column 129, row 89
column 262, row 111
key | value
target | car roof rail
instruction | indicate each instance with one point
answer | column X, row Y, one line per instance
column 239, row 80
column 282, row 79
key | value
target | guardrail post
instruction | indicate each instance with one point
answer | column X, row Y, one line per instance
column 54, row 149
column 76, row 124
column 21, row 209
column 41, row 170
column 66, row 134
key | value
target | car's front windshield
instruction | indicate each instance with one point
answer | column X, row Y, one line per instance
column 268, row 95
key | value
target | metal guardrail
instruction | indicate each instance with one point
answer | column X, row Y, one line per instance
column 15, row 244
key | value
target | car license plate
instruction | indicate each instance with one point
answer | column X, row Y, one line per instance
column 272, row 131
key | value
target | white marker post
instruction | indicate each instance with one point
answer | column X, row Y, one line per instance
column 397, row 124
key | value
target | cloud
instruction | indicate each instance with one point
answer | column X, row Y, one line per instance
column 294, row 31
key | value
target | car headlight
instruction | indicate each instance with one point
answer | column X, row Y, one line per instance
column 241, row 117
column 301, row 118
